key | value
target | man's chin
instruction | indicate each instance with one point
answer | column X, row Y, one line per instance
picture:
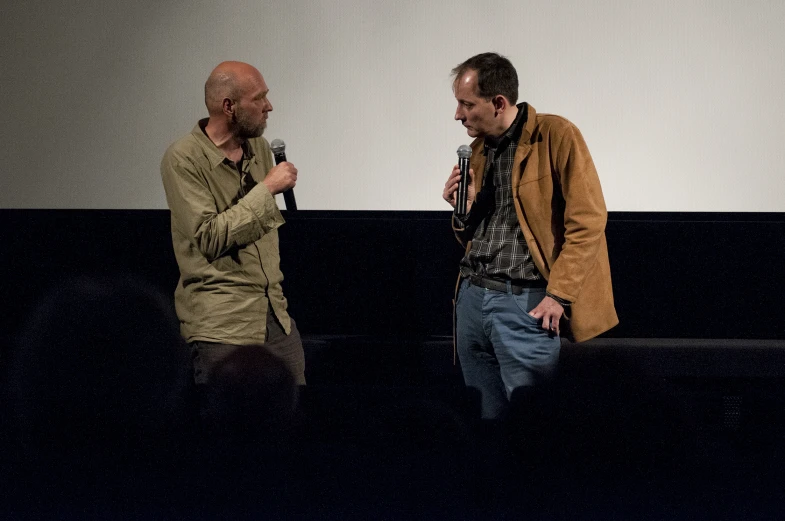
column 253, row 134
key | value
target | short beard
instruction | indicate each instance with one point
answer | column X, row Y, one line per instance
column 244, row 129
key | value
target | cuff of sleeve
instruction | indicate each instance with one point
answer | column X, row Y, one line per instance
column 264, row 207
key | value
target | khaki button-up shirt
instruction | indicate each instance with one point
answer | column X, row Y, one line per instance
column 225, row 238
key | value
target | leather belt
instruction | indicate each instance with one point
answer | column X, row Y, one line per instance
column 516, row 286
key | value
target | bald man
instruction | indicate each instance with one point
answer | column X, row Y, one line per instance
column 220, row 185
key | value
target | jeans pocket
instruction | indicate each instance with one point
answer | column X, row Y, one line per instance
column 528, row 300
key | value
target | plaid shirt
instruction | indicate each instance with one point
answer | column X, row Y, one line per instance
column 499, row 249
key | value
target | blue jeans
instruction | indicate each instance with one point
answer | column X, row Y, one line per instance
column 501, row 347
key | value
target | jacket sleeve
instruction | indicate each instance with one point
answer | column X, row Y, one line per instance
column 585, row 216
column 195, row 213
column 463, row 230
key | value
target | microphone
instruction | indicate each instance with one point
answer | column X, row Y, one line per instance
column 279, row 153
column 464, row 153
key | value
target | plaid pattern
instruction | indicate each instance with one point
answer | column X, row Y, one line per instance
column 498, row 248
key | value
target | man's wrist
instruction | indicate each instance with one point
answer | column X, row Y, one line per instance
column 563, row 302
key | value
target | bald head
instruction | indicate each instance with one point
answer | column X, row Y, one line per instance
column 236, row 99
column 229, row 80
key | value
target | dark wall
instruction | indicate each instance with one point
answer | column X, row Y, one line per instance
column 676, row 275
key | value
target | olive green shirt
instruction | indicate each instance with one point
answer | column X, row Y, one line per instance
column 224, row 232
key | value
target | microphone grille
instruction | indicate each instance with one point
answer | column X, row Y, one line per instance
column 464, row 151
column 277, row 146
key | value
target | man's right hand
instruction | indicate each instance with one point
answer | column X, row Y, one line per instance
column 281, row 177
column 451, row 188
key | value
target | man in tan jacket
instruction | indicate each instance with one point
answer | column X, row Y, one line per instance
column 220, row 185
column 536, row 263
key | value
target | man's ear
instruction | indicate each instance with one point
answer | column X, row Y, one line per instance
column 500, row 103
column 228, row 106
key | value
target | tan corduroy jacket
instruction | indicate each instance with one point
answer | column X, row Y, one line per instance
column 561, row 210
column 225, row 238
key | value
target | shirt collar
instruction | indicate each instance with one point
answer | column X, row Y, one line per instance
column 213, row 153
column 512, row 133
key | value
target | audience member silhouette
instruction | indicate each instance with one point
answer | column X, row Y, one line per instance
column 247, row 411
column 97, row 391
column 251, row 398
column 602, row 440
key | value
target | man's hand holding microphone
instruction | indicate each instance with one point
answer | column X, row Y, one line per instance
column 288, row 175
column 280, row 178
column 459, row 189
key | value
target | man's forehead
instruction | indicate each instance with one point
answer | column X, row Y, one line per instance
column 255, row 84
column 466, row 84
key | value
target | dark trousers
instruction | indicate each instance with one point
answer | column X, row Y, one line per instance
column 289, row 348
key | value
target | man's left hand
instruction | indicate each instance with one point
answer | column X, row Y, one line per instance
column 550, row 312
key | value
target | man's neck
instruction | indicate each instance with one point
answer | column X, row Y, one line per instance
column 224, row 140
column 507, row 120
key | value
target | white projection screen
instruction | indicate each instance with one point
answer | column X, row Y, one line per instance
column 682, row 103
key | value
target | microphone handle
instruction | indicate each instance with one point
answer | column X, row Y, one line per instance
column 288, row 195
column 288, row 198
column 463, row 184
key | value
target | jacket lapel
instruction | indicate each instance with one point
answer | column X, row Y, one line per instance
column 521, row 153
column 524, row 147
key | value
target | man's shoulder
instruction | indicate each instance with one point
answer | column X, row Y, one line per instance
column 554, row 122
column 187, row 149
column 556, row 130
column 188, row 143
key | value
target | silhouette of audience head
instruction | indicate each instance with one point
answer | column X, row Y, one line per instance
column 99, row 368
column 251, row 396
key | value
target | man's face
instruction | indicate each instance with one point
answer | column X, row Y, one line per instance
column 250, row 115
column 477, row 114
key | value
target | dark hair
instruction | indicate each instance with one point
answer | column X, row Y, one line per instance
column 495, row 75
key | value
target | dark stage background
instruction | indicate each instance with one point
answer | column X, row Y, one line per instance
column 392, row 274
